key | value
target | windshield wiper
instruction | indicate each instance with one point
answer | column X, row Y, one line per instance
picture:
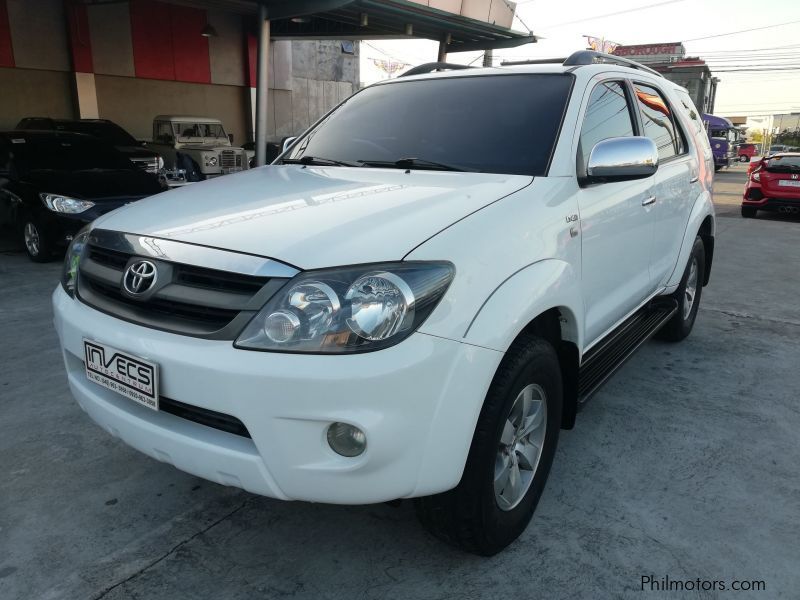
column 411, row 162
column 316, row 160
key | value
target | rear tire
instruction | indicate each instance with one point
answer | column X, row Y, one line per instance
column 688, row 296
column 744, row 158
column 748, row 212
column 37, row 240
column 499, row 470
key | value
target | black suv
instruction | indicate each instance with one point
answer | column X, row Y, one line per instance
column 53, row 183
column 106, row 130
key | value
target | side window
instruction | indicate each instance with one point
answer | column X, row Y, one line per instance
column 607, row 116
column 691, row 112
column 659, row 122
column 162, row 132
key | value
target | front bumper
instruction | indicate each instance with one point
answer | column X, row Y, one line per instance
column 417, row 402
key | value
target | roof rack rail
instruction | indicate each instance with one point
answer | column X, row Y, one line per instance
column 433, row 66
column 533, row 61
column 591, row 57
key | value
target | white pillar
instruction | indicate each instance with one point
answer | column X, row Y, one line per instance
column 262, row 81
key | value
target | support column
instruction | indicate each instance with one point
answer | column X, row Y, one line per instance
column 488, row 56
column 262, row 81
column 80, row 47
column 442, row 56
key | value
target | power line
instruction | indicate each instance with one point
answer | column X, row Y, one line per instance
column 614, row 14
column 708, row 37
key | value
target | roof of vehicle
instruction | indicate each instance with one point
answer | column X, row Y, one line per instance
column 715, row 121
column 60, row 120
column 46, row 133
column 186, row 119
column 583, row 61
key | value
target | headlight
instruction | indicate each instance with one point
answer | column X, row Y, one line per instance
column 346, row 310
column 65, row 204
column 160, row 163
column 211, row 161
column 69, row 274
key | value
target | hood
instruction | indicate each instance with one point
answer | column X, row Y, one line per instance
column 208, row 146
column 95, row 184
column 136, row 152
column 314, row 217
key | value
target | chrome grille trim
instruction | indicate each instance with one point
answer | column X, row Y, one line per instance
column 191, row 254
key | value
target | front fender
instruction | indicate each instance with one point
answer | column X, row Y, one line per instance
column 703, row 208
column 523, row 296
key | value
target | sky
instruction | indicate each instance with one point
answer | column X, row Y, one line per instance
column 561, row 25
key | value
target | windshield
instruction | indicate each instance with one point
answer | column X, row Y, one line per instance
column 198, row 130
column 71, row 153
column 108, row 132
column 784, row 163
column 494, row 124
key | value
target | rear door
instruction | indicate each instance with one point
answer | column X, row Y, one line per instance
column 676, row 182
column 616, row 218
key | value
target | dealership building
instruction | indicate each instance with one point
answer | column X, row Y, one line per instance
column 274, row 66
column 671, row 61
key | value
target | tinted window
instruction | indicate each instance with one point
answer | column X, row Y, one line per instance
column 496, row 124
column 658, row 121
column 162, row 132
column 72, row 153
column 784, row 163
column 607, row 116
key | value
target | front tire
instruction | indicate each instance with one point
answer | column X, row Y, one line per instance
column 510, row 457
column 687, row 295
column 744, row 158
column 37, row 239
column 748, row 212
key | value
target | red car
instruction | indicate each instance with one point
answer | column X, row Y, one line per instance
column 773, row 184
column 746, row 151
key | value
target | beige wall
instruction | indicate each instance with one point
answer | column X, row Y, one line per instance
column 112, row 49
column 132, row 103
column 39, row 34
column 35, row 93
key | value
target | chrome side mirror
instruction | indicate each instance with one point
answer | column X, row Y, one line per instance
column 287, row 143
column 622, row 158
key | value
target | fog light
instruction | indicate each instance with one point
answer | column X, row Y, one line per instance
column 346, row 440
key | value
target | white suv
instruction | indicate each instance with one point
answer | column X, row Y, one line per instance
column 412, row 301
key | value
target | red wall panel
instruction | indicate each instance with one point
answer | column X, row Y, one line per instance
column 79, row 39
column 167, row 43
column 151, row 34
column 190, row 49
column 6, row 50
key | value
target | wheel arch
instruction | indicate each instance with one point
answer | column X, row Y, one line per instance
column 543, row 299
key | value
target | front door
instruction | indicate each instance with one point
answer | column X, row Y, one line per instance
column 617, row 219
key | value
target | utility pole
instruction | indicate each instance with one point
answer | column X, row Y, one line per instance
column 487, row 58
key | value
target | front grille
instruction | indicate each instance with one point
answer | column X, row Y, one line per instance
column 203, row 416
column 146, row 164
column 214, row 318
column 186, row 299
column 230, row 159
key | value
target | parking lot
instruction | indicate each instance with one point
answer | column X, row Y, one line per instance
column 683, row 466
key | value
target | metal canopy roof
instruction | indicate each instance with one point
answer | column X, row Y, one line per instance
column 387, row 19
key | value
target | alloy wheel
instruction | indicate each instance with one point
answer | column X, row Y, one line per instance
column 691, row 289
column 521, row 446
column 32, row 242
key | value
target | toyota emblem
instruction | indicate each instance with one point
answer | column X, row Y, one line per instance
column 140, row 276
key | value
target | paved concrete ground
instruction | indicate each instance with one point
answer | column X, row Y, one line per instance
column 685, row 465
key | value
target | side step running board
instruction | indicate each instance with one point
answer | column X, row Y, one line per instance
column 609, row 355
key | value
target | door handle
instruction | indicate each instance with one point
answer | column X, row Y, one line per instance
column 649, row 200
column 694, row 179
